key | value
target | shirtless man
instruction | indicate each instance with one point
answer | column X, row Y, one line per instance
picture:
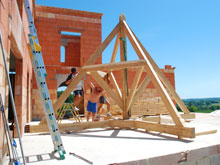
column 92, row 102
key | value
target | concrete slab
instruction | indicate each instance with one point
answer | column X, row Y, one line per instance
column 105, row 146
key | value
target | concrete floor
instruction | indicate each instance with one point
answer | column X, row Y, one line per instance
column 105, row 146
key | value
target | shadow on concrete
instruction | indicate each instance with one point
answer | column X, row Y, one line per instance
column 41, row 157
column 115, row 134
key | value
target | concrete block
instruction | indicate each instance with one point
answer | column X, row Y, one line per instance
column 215, row 160
column 204, row 161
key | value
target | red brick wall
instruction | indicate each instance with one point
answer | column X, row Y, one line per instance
column 14, row 29
column 50, row 22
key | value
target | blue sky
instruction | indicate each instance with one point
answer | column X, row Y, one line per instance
column 181, row 33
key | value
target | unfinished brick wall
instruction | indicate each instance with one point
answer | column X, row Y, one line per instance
column 14, row 29
column 50, row 23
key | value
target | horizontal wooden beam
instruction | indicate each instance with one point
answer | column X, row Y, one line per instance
column 188, row 116
column 148, row 126
column 114, row 66
column 206, row 132
column 70, row 126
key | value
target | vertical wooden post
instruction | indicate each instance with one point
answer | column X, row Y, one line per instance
column 124, row 76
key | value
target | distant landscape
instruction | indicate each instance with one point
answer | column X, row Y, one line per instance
column 203, row 105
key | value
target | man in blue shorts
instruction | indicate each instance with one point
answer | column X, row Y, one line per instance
column 92, row 102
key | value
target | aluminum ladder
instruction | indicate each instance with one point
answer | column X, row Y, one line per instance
column 40, row 74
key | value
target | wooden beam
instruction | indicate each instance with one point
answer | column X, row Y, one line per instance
column 106, row 87
column 134, row 86
column 114, row 66
column 71, row 126
column 140, row 89
column 124, row 73
column 163, row 78
column 206, row 132
column 115, row 84
column 115, row 49
column 149, row 126
column 188, row 116
column 154, row 77
column 102, row 47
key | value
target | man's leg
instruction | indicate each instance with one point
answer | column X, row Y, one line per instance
column 77, row 99
column 93, row 116
column 88, row 115
column 108, row 108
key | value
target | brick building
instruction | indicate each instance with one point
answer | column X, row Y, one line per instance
column 52, row 25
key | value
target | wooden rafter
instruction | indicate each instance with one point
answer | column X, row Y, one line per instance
column 134, row 86
column 154, row 77
column 140, row 89
column 115, row 84
column 172, row 91
column 115, row 49
column 106, row 87
column 102, row 47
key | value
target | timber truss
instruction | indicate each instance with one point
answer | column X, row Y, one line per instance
column 123, row 97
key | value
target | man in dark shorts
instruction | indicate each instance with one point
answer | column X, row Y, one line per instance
column 78, row 91
column 102, row 101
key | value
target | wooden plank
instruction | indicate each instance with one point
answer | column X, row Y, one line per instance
column 124, row 76
column 102, row 47
column 140, row 89
column 159, row 119
column 154, row 78
column 162, row 128
column 149, row 126
column 70, row 126
column 115, row 49
column 188, row 116
column 152, row 119
column 205, row 132
column 163, row 78
column 114, row 66
column 121, row 123
column 106, row 87
column 134, row 86
column 115, row 84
